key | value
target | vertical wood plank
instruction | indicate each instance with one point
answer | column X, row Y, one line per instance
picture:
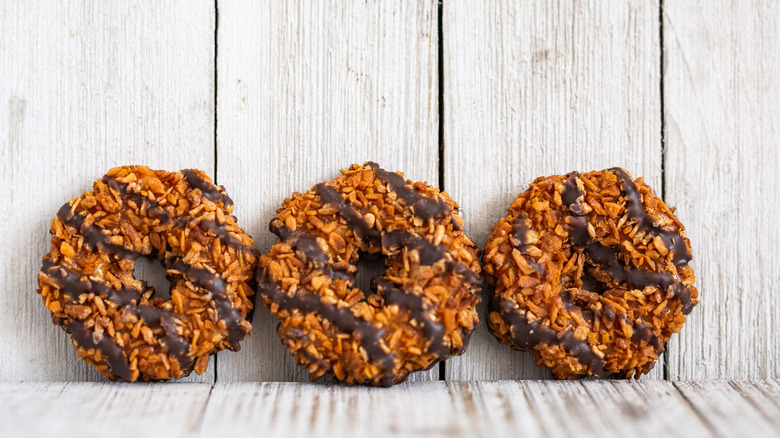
column 87, row 86
column 306, row 89
column 102, row 409
column 542, row 88
column 722, row 134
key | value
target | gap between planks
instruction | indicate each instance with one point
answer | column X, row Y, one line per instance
column 454, row 408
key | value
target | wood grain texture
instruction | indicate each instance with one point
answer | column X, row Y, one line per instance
column 722, row 159
column 97, row 409
column 648, row 408
column 456, row 409
column 541, row 88
column 87, row 86
column 735, row 408
column 306, row 89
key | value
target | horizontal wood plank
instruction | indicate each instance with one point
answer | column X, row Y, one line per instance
column 101, row 409
column 469, row 409
column 649, row 408
column 735, row 408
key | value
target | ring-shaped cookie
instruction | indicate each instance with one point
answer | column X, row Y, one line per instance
column 116, row 323
column 591, row 274
column 422, row 309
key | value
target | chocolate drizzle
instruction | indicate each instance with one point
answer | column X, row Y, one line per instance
column 422, row 207
column 520, row 235
column 115, row 355
column 356, row 221
column 210, row 190
column 212, row 282
column 641, row 331
column 572, row 197
column 526, row 335
column 93, row 236
column 414, row 304
column 672, row 240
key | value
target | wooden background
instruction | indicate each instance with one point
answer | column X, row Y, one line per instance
column 479, row 97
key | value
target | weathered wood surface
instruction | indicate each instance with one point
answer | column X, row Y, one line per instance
column 737, row 408
column 528, row 89
column 722, row 135
column 306, row 89
column 649, row 408
column 87, row 86
column 542, row 88
column 101, row 409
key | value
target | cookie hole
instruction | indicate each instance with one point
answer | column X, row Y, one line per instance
column 590, row 284
column 151, row 271
column 369, row 266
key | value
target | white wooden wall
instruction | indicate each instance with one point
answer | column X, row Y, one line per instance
column 274, row 96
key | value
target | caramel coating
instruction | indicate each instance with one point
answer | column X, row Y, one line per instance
column 116, row 323
column 421, row 310
column 591, row 274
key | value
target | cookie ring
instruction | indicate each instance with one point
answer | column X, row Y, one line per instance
column 117, row 325
column 423, row 308
column 591, row 274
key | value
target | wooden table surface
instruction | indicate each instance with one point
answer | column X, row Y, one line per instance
column 477, row 97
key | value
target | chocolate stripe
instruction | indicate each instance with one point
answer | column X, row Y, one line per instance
column 213, row 283
column 432, row 329
column 307, row 245
column 211, row 191
column 114, row 354
column 642, row 331
column 526, row 335
column 672, row 240
column 422, row 207
column 356, row 221
column 93, row 235
column 520, row 234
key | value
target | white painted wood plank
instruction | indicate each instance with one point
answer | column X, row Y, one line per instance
column 649, row 408
column 728, row 412
column 722, row 160
column 541, row 88
column 97, row 409
column 87, row 86
column 308, row 88
column 763, row 395
column 292, row 409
